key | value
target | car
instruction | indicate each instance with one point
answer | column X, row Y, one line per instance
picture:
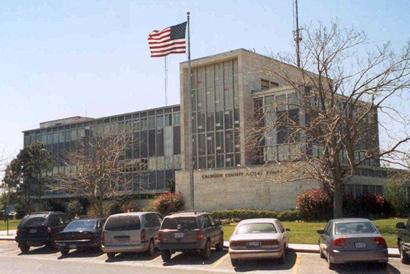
column 403, row 241
column 262, row 238
column 352, row 240
column 39, row 229
column 130, row 232
column 189, row 231
column 82, row 233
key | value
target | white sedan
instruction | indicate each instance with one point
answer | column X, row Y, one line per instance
column 258, row 239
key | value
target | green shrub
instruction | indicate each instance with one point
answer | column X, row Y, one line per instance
column 314, row 204
column 73, row 208
column 395, row 194
column 235, row 215
column 168, row 202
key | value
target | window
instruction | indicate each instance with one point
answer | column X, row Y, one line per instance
column 264, row 84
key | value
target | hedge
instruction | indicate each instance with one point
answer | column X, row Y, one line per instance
column 241, row 214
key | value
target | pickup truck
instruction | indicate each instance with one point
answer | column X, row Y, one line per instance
column 403, row 241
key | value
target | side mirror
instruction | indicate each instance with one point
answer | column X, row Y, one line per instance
column 320, row 231
column 400, row 226
column 287, row 229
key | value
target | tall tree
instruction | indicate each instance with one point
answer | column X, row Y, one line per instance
column 329, row 127
column 96, row 170
column 26, row 173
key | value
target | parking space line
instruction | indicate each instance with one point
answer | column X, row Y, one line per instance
column 295, row 268
column 155, row 259
column 218, row 262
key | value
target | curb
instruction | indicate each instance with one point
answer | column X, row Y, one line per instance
column 7, row 239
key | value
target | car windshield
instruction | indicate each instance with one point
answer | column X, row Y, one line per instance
column 354, row 228
column 117, row 223
column 79, row 225
column 33, row 221
column 179, row 223
column 256, row 228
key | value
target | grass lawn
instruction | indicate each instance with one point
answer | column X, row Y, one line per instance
column 12, row 224
column 305, row 232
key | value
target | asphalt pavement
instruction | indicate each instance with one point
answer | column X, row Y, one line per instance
column 44, row 260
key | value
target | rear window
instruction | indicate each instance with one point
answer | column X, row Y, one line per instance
column 256, row 228
column 354, row 228
column 80, row 225
column 33, row 221
column 183, row 223
column 117, row 223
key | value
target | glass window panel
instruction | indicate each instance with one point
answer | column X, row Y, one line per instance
column 219, row 142
column 177, row 140
column 220, row 161
column 210, row 125
column 151, row 142
column 228, row 119
column 161, row 180
column 160, row 142
column 211, row 161
column 210, row 143
column 201, row 144
column 229, row 141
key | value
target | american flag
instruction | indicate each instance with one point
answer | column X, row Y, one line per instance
column 167, row 41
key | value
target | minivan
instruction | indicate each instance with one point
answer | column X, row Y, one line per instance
column 130, row 232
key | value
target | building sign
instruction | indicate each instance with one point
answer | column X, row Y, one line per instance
column 221, row 175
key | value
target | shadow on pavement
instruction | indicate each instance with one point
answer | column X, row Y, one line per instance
column 82, row 253
column 194, row 258
column 40, row 250
column 269, row 264
column 131, row 257
column 365, row 268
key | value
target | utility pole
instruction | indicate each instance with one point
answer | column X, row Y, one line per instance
column 297, row 33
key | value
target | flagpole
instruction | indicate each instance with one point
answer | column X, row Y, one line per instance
column 189, row 108
column 166, row 80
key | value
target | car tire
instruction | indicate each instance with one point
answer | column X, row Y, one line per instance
column 220, row 245
column 321, row 253
column 206, row 251
column 151, row 248
column 165, row 255
column 234, row 262
column 64, row 251
column 404, row 258
column 111, row 255
column 330, row 265
column 24, row 248
column 282, row 256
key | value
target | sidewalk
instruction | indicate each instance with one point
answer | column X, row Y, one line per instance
column 9, row 237
column 306, row 248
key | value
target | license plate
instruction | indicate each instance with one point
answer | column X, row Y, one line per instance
column 33, row 230
column 360, row 245
column 254, row 244
column 72, row 246
column 178, row 235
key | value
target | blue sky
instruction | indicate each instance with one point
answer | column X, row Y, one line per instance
column 66, row 58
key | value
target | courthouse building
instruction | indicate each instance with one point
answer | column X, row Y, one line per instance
column 227, row 89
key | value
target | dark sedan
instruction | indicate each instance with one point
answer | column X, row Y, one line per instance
column 83, row 233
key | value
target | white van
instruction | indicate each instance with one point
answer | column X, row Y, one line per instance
column 130, row 232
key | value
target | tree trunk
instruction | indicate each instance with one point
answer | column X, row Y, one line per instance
column 100, row 208
column 337, row 201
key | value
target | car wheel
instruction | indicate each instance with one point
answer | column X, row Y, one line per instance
column 403, row 256
column 321, row 253
column 330, row 264
column 64, row 251
column 282, row 256
column 220, row 245
column 151, row 248
column 165, row 255
column 24, row 248
column 206, row 252
column 111, row 255
column 234, row 262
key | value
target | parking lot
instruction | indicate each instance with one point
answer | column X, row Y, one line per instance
column 44, row 260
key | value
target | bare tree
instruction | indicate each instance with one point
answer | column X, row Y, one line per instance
column 330, row 125
column 97, row 170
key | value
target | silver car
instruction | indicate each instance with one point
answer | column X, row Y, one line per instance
column 258, row 239
column 130, row 232
column 352, row 240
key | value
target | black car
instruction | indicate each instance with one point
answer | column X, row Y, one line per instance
column 39, row 229
column 83, row 233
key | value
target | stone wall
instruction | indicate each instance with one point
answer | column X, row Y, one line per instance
column 256, row 188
